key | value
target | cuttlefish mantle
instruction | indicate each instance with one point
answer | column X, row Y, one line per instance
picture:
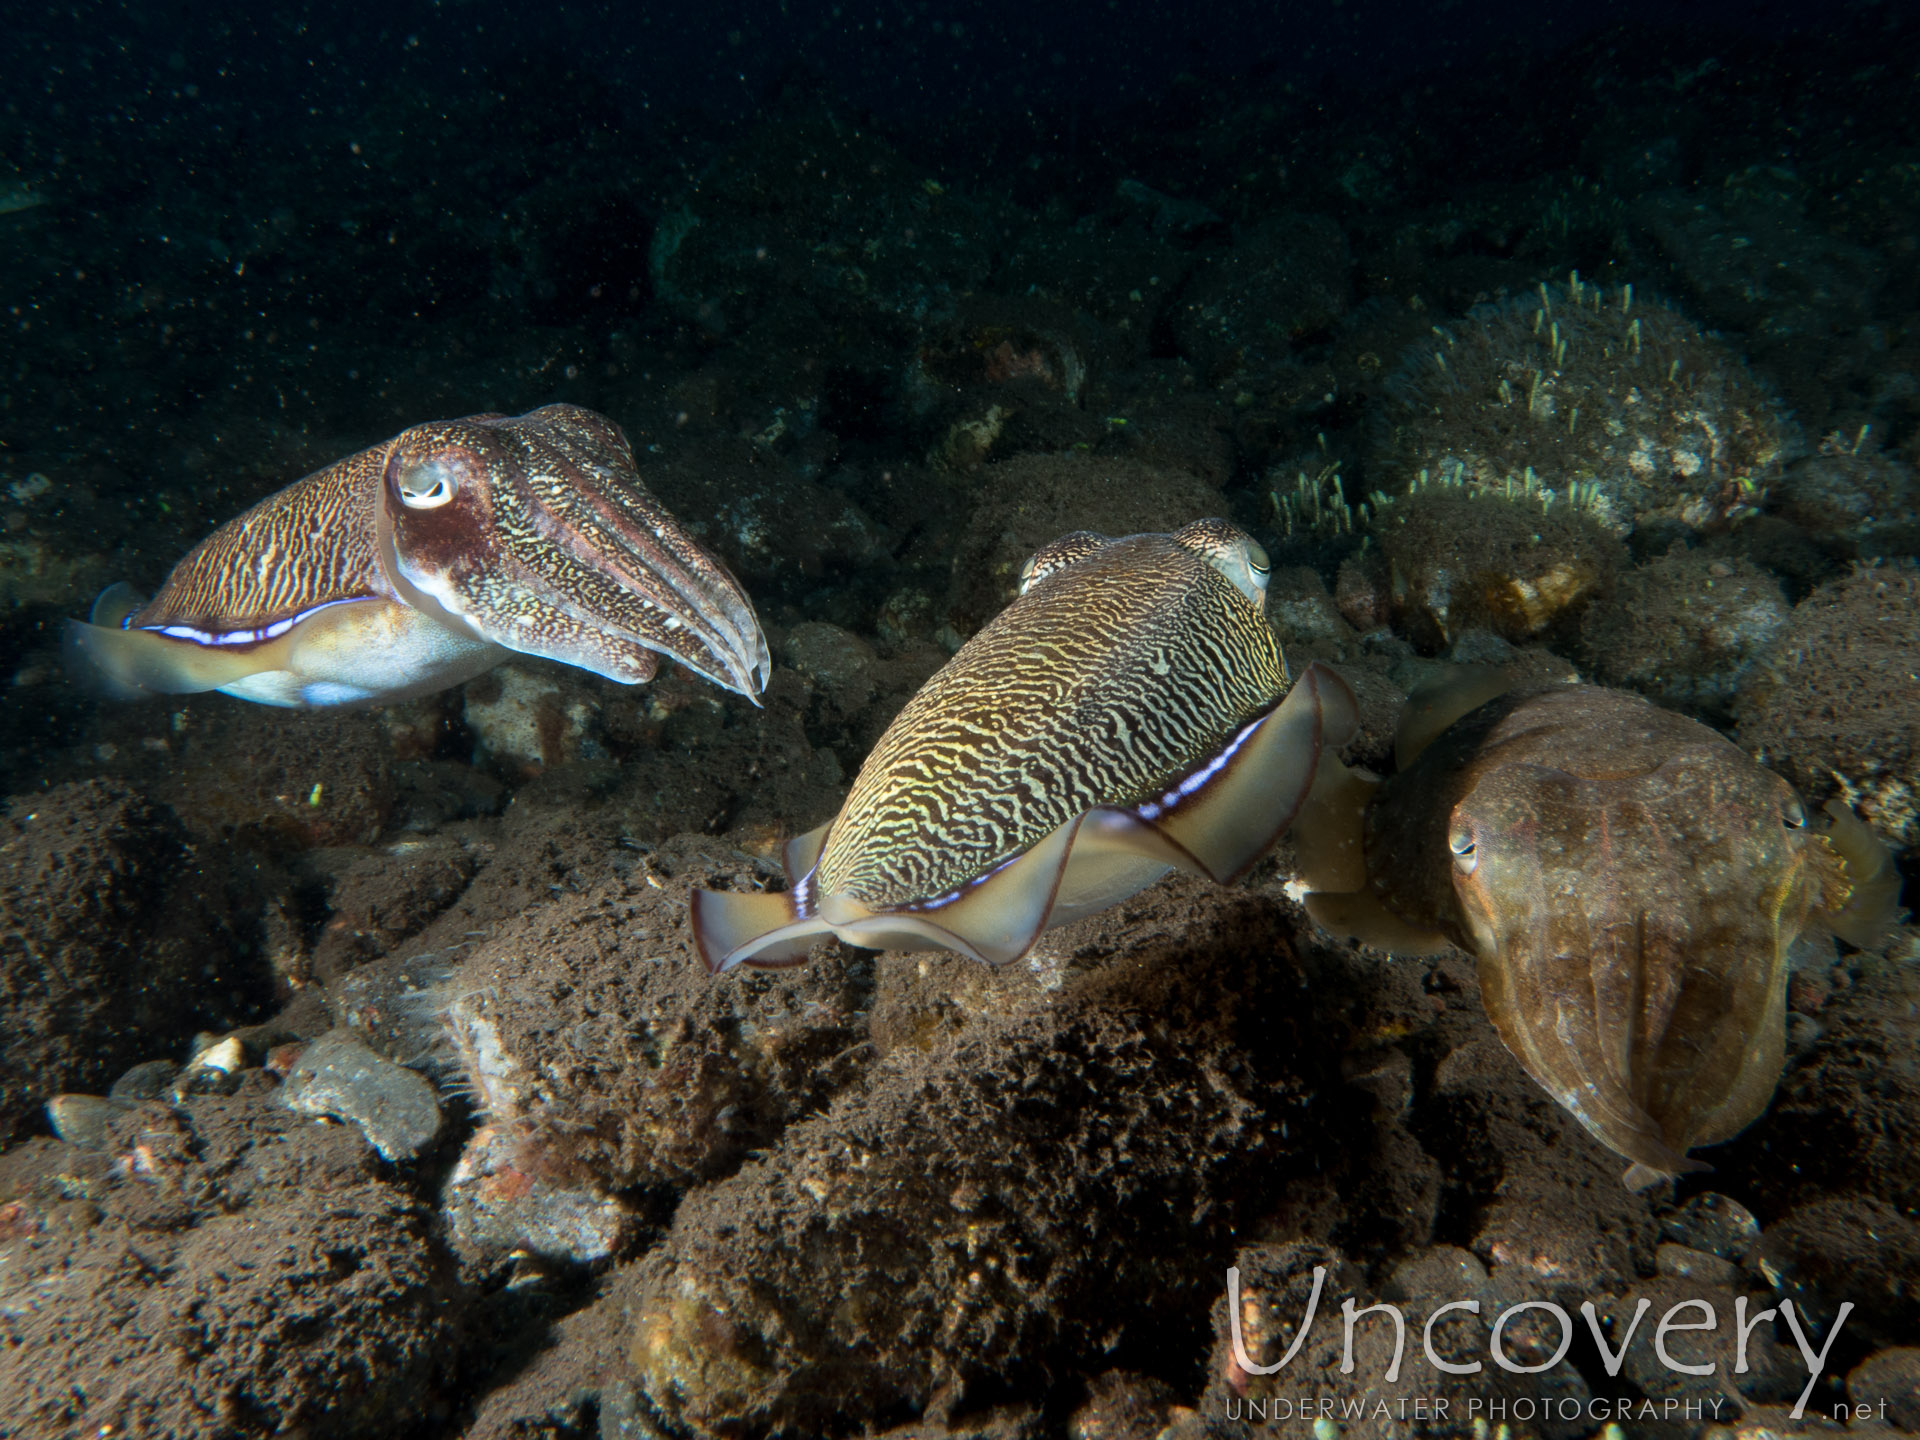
column 427, row 560
column 1126, row 715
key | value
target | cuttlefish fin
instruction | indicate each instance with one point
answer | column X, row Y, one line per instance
column 1330, row 833
column 1439, row 700
column 995, row 918
column 1872, row 904
column 1640, row 1177
column 751, row 927
column 802, row 852
column 1330, row 838
column 1228, row 815
column 345, row 652
column 127, row 664
column 1359, row 916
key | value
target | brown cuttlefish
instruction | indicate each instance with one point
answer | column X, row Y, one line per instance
column 1630, row 881
column 425, row 561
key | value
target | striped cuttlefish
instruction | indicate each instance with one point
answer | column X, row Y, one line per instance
column 425, row 561
column 1632, row 884
column 1128, row 713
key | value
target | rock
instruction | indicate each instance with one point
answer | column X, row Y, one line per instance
column 113, row 941
column 253, row 772
column 1848, row 1250
column 1837, row 697
column 1844, row 1108
column 1889, row 1378
column 1681, row 1263
column 1121, row 1406
column 1714, row 1223
column 148, row 1080
column 524, row 717
column 501, row 1198
column 214, row 1069
column 1029, row 501
column 278, row 1279
column 1615, row 403
column 1459, row 558
column 908, row 1241
column 80, row 1119
column 1685, row 629
column 1865, row 499
column 1274, row 1288
column 592, row 1020
column 839, row 663
column 376, row 899
column 394, row 1107
column 1773, row 1373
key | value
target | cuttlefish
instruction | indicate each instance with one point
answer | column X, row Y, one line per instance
column 1631, row 882
column 1128, row 713
column 427, row 560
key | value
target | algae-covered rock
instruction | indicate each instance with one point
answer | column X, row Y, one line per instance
column 1686, row 628
column 1854, row 495
column 1040, row 1169
column 113, row 943
column 1459, row 559
column 1029, row 501
column 1605, row 398
column 221, row 1269
column 1836, row 700
column 589, row 1028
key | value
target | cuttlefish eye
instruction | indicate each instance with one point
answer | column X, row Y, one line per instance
column 1794, row 815
column 1244, row 563
column 427, row 485
column 1466, row 856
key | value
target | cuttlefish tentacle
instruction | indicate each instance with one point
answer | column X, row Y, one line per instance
column 1631, row 884
column 422, row 562
column 1128, row 714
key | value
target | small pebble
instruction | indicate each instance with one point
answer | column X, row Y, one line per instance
column 1713, row 1223
column 214, row 1070
column 81, row 1119
column 146, row 1081
column 395, row 1108
column 1807, row 991
column 1687, row 1264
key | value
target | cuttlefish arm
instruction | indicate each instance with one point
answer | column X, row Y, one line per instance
column 1216, row 820
column 536, row 534
column 423, row 562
